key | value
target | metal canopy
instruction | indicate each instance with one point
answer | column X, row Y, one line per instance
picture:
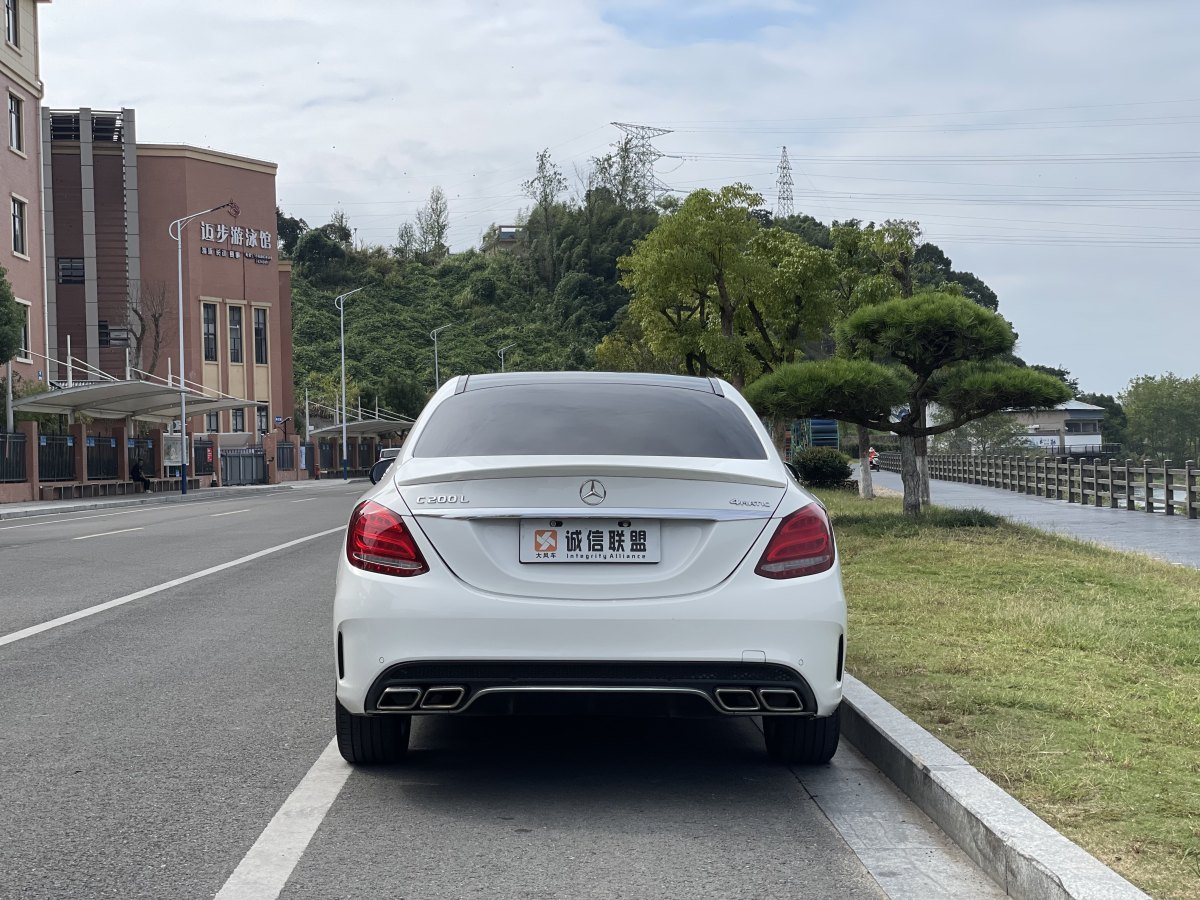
column 123, row 399
column 361, row 427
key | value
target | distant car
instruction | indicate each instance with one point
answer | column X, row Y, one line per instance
column 567, row 542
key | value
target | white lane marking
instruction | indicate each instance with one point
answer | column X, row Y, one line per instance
column 87, row 537
column 49, row 518
column 166, row 585
column 265, row 869
column 232, row 512
column 305, row 500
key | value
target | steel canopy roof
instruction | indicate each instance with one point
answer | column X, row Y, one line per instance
column 361, row 427
column 123, row 399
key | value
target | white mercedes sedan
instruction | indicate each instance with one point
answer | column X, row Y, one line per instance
column 578, row 542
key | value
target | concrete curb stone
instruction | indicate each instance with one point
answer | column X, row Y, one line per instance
column 1019, row 851
column 49, row 509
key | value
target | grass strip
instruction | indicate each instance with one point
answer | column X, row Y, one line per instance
column 1067, row 673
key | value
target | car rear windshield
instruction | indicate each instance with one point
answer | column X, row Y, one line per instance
column 579, row 419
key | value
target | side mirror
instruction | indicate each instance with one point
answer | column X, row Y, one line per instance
column 378, row 470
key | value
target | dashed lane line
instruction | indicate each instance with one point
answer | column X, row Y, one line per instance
column 232, row 512
column 265, row 869
column 88, row 537
column 166, row 585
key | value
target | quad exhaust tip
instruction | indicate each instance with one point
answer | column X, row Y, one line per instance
column 399, row 698
column 443, row 697
column 737, row 699
column 781, row 700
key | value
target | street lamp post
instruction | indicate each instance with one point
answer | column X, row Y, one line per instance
column 437, row 381
column 340, row 303
column 500, row 353
column 175, row 230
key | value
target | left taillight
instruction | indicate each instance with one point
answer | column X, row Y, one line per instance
column 379, row 541
column 801, row 545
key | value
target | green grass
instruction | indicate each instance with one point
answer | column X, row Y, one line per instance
column 1069, row 674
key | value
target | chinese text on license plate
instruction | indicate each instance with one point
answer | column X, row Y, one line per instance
column 590, row 540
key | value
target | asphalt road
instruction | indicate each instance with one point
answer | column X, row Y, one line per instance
column 177, row 745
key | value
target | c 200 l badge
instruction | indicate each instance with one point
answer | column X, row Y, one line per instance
column 444, row 498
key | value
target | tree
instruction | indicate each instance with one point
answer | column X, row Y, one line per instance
column 544, row 189
column 934, row 271
column 717, row 294
column 1061, row 374
column 998, row 433
column 899, row 355
column 406, row 242
column 289, row 231
column 1115, row 425
column 12, row 319
column 433, row 227
column 148, row 304
column 339, row 229
column 1164, row 416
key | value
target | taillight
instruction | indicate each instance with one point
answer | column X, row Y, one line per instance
column 801, row 545
column 378, row 541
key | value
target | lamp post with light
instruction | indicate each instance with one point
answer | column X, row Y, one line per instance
column 500, row 353
column 175, row 230
column 437, row 381
column 340, row 303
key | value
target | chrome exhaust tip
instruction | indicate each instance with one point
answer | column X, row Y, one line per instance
column 443, row 697
column 737, row 699
column 781, row 700
column 398, row 698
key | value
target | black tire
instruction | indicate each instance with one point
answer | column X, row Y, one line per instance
column 802, row 741
column 372, row 740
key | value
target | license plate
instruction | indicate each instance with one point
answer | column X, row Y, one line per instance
column 590, row 541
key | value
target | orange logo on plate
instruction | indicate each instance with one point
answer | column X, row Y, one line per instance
column 545, row 540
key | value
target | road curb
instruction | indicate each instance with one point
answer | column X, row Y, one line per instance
column 1020, row 852
column 143, row 500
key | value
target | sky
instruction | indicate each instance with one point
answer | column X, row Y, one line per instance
column 1051, row 148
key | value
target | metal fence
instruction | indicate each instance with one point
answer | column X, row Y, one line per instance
column 203, row 463
column 243, row 466
column 101, row 458
column 12, row 457
column 56, row 457
column 327, row 460
column 1167, row 488
column 285, row 457
column 310, row 459
column 365, row 458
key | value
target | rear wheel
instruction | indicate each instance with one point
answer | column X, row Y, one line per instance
column 371, row 740
column 803, row 741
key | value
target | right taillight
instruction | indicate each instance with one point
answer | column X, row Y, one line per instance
column 801, row 545
column 379, row 541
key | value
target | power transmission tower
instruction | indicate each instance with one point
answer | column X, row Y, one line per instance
column 645, row 154
column 783, row 187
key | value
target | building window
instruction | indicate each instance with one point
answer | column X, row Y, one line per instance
column 210, row 332
column 260, row 336
column 235, row 336
column 238, row 417
column 12, row 25
column 19, row 244
column 16, row 118
column 212, row 422
column 23, row 349
column 264, row 419
column 104, row 333
column 70, row 270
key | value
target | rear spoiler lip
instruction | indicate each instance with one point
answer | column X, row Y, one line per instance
column 770, row 473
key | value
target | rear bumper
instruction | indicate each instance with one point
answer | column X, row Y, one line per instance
column 385, row 626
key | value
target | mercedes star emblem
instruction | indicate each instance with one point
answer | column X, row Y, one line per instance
column 592, row 493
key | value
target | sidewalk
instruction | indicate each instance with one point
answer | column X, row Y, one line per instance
column 1170, row 538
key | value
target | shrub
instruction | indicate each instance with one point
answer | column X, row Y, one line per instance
column 821, row 466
